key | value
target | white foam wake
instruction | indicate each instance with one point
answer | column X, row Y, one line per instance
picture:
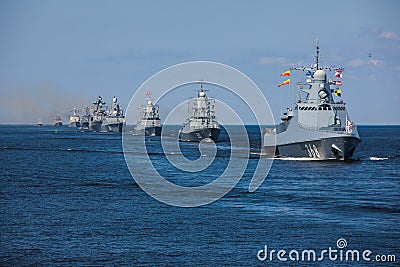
column 378, row 158
column 301, row 159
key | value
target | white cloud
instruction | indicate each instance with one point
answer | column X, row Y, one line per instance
column 355, row 62
column 389, row 35
column 374, row 62
column 271, row 60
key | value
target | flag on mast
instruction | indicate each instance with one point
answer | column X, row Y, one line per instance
column 286, row 73
column 338, row 73
column 338, row 92
column 284, row 82
column 338, row 83
column 310, row 74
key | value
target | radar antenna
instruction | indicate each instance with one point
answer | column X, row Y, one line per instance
column 316, row 65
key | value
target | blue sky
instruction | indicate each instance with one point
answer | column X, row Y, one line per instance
column 56, row 55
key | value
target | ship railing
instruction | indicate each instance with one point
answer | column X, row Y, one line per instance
column 269, row 131
column 347, row 130
column 205, row 125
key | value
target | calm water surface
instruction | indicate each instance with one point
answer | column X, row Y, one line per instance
column 67, row 198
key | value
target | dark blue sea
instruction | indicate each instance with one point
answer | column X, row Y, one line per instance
column 67, row 198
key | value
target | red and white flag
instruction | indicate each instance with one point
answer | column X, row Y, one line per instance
column 338, row 83
column 338, row 73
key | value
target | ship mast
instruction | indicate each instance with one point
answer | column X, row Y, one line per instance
column 316, row 65
column 317, row 57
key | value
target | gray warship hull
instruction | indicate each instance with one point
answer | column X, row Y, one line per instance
column 115, row 127
column 58, row 124
column 95, row 126
column 198, row 135
column 322, row 149
column 85, row 125
column 300, row 141
column 76, row 124
column 149, row 130
column 153, row 131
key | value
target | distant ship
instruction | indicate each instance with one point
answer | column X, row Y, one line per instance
column 318, row 127
column 114, row 120
column 150, row 123
column 97, row 116
column 58, row 121
column 40, row 122
column 202, row 123
column 85, row 119
column 74, row 119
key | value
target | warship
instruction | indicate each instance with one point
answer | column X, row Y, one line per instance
column 97, row 116
column 58, row 121
column 74, row 119
column 202, row 123
column 150, row 123
column 319, row 126
column 85, row 119
column 114, row 120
